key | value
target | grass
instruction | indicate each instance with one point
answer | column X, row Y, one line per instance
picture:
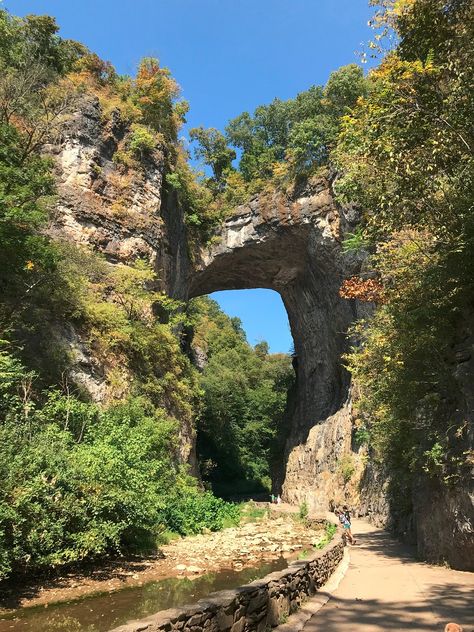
column 250, row 513
column 165, row 537
column 303, row 511
column 328, row 536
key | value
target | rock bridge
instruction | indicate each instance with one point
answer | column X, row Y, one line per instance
column 291, row 244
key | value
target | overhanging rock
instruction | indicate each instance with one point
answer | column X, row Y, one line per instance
column 291, row 244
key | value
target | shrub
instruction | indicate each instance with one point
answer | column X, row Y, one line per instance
column 191, row 511
column 303, row 510
column 329, row 531
column 142, row 142
column 346, row 467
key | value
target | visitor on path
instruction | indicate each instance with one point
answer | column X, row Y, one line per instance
column 344, row 519
column 278, row 500
column 345, row 511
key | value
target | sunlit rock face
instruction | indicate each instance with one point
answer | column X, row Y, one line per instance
column 119, row 213
column 292, row 244
column 101, row 204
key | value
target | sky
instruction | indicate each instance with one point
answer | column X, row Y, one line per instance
column 228, row 56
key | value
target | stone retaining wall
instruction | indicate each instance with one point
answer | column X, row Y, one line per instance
column 255, row 607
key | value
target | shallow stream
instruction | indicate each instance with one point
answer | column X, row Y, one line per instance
column 103, row 612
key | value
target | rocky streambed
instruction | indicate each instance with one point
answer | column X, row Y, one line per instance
column 269, row 538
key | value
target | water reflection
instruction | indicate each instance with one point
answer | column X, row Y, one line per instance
column 106, row 611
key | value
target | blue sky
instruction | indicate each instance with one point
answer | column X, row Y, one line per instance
column 228, row 56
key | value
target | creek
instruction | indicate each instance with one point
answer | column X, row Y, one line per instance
column 103, row 612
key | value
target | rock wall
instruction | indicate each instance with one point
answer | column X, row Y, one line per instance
column 325, row 471
column 289, row 242
column 444, row 514
column 124, row 214
column 255, row 607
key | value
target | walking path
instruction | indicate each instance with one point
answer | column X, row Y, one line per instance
column 386, row 589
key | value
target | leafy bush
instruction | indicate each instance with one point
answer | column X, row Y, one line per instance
column 142, row 141
column 329, row 532
column 189, row 512
column 79, row 482
column 303, row 510
column 346, row 468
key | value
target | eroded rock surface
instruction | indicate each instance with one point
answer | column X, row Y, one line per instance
column 119, row 213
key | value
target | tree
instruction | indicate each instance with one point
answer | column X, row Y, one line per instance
column 26, row 258
column 262, row 349
column 245, row 392
column 299, row 132
column 212, row 148
column 155, row 93
column 34, row 39
column 406, row 155
column 343, row 89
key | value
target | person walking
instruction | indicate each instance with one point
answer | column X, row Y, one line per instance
column 345, row 520
column 345, row 511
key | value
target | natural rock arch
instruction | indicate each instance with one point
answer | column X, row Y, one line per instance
column 292, row 244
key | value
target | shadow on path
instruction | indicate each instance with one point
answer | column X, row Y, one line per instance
column 386, row 588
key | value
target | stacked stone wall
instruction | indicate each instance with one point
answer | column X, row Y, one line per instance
column 255, row 607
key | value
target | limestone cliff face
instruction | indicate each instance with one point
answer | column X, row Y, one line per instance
column 116, row 211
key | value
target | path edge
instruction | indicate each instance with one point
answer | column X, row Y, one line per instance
column 313, row 605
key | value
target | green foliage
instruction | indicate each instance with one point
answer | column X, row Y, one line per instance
column 250, row 512
column 244, row 401
column 300, row 131
column 330, row 531
column 34, row 39
column 213, row 150
column 356, row 241
column 189, row 511
column 202, row 212
column 406, row 156
column 25, row 257
column 346, row 468
column 279, row 144
column 362, row 436
column 141, row 142
column 80, row 481
column 303, row 510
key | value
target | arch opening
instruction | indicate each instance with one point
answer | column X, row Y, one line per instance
column 244, row 423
